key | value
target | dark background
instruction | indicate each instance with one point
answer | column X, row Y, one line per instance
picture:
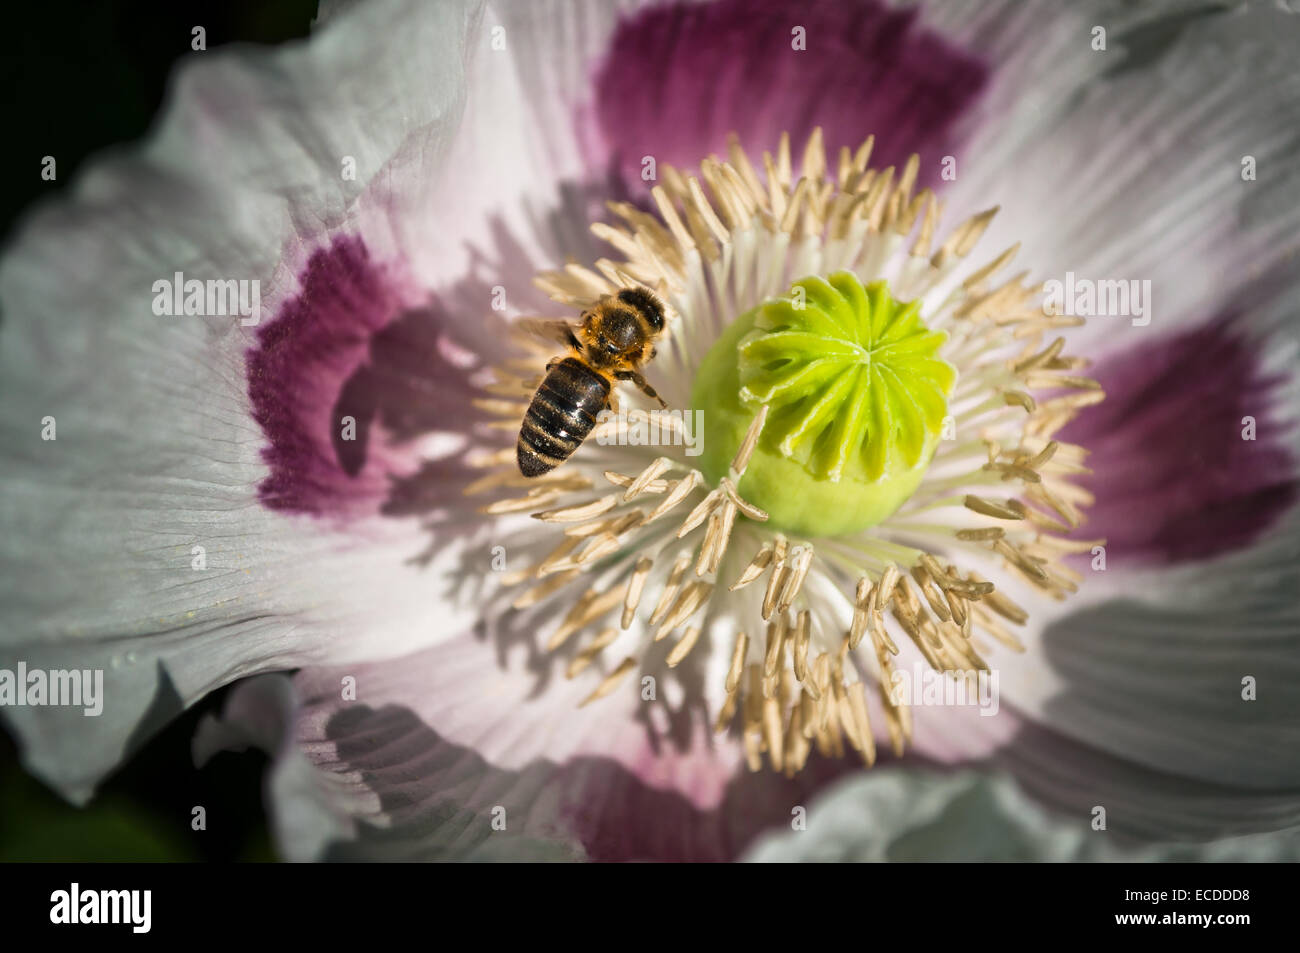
column 77, row 77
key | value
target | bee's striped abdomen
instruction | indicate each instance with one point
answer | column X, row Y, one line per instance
column 561, row 415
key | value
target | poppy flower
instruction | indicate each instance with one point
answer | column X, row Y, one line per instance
column 977, row 356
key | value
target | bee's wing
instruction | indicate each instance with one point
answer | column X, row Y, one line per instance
column 552, row 331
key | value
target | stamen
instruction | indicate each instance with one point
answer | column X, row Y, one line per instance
column 670, row 588
column 580, row 511
column 724, row 243
column 701, row 512
column 622, row 479
column 646, row 477
column 793, row 582
column 679, row 492
column 776, row 581
column 545, row 589
column 635, row 586
column 611, row 681
column 755, row 568
column 1008, row 510
column 684, row 646
column 692, row 597
column 737, row 661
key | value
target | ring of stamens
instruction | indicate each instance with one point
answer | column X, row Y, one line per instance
column 799, row 681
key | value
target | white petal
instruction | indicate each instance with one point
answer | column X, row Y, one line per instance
column 1139, row 175
column 156, row 451
column 1150, row 662
column 1141, row 178
column 897, row 815
column 486, row 728
column 309, row 813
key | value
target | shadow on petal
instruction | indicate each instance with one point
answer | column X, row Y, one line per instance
column 438, row 801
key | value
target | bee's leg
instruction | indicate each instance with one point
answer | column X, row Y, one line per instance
column 572, row 339
column 636, row 378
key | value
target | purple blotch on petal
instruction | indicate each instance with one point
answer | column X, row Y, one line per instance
column 1173, row 476
column 298, row 371
column 349, row 347
column 677, row 79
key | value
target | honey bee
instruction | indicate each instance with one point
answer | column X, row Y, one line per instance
column 615, row 339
